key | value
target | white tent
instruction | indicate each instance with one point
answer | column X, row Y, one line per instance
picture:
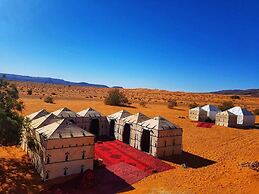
column 244, row 117
column 119, row 115
column 211, row 111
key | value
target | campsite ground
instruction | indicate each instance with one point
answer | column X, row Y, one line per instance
column 213, row 154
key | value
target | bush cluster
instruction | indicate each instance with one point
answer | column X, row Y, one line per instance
column 116, row 98
column 171, row 103
column 48, row 99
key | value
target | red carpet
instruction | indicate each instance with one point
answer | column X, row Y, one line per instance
column 205, row 125
column 127, row 162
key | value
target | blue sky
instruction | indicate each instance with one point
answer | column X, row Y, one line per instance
column 186, row 45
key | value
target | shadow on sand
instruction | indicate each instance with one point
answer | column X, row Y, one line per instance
column 105, row 182
column 190, row 160
column 18, row 176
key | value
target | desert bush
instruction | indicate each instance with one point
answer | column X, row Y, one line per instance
column 256, row 111
column 29, row 91
column 48, row 99
column 142, row 103
column 235, row 97
column 53, row 93
column 226, row 105
column 116, row 98
column 171, row 103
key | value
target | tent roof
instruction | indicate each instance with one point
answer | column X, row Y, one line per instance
column 89, row 112
column 240, row 111
column 225, row 112
column 44, row 119
column 159, row 123
column 65, row 112
column 62, row 129
column 196, row 108
column 119, row 115
column 37, row 114
column 210, row 107
column 136, row 118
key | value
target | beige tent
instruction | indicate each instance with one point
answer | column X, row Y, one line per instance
column 159, row 137
column 127, row 126
column 115, row 123
column 226, row 119
column 236, row 117
column 61, row 148
column 94, row 122
column 198, row 114
column 37, row 114
column 211, row 111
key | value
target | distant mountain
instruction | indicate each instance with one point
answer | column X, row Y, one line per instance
column 251, row 92
column 48, row 80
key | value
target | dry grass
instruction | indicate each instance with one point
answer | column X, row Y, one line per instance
column 225, row 147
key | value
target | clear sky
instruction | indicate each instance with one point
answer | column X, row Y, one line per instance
column 187, row 45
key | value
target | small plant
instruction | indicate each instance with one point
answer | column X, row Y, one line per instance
column 116, row 98
column 53, row 93
column 226, row 105
column 48, row 99
column 142, row 103
column 29, row 91
column 193, row 105
column 256, row 111
column 235, row 97
column 171, row 103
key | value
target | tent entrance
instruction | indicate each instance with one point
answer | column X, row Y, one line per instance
column 94, row 127
column 145, row 141
column 112, row 125
column 126, row 133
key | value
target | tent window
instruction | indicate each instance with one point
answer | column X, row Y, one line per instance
column 47, row 176
column 65, row 171
column 48, row 159
column 66, row 157
column 83, row 155
column 82, row 169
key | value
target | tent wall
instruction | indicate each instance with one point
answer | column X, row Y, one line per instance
column 85, row 122
column 225, row 119
column 198, row 115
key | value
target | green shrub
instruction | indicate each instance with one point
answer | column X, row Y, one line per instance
column 235, row 97
column 142, row 103
column 171, row 103
column 116, row 98
column 11, row 121
column 29, row 91
column 48, row 99
column 226, row 105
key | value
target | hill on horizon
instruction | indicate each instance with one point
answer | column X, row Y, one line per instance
column 49, row 80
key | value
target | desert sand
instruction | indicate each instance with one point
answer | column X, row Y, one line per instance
column 213, row 154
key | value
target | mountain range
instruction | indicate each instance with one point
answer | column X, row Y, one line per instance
column 49, row 80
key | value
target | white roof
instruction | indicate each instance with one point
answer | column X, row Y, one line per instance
column 42, row 120
column 38, row 114
column 62, row 129
column 196, row 108
column 65, row 112
column 89, row 112
column 240, row 111
column 210, row 108
column 119, row 115
column 159, row 123
column 136, row 118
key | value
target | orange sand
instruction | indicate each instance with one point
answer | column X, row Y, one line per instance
column 227, row 147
